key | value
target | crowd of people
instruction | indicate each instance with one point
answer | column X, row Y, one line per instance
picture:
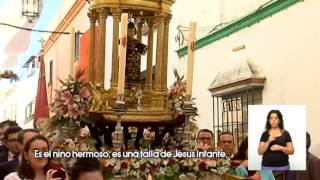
column 18, row 161
column 240, row 159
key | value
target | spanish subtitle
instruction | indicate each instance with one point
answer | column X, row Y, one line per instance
column 130, row 154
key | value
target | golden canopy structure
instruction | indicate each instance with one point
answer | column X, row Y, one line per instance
column 153, row 16
column 146, row 100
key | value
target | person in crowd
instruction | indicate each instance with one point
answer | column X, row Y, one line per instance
column 11, row 141
column 4, row 126
column 226, row 143
column 275, row 144
column 205, row 136
column 3, row 148
column 26, row 134
column 242, row 153
column 240, row 161
column 87, row 168
column 312, row 166
column 32, row 167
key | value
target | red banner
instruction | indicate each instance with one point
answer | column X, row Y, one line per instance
column 42, row 107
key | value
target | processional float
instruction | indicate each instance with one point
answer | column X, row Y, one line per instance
column 135, row 98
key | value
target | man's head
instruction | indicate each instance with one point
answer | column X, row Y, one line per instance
column 131, row 30
column 226, row 143
column 11, row 139
column 26, row 134
column 205, row 136
column 308, row 141
column 86, row 168
column 4, row 126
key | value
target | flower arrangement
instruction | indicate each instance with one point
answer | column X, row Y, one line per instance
column 146, row 140
column 177, row 94
column 161, row 168
column 7, row 74
column 71, row 101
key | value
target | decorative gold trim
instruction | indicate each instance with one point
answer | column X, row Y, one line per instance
column 134, row 115
column 93, row 19
column 116, row 12
column 150, row 55
column 100, row 68
column 146, row 5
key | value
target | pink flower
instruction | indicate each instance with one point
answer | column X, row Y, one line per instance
column 57, row 96
column 67, row 97
column 84, row 132
column 211, row 162
column 84, row 92
column 82, row 111
column 73, row 114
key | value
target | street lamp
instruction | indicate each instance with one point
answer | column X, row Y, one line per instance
column 30, row 9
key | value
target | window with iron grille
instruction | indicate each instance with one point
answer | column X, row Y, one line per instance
column 230, row 113
column 29, row 112
column 50, row 72
column 77, row 36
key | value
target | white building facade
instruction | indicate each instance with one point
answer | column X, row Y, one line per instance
column 281, row 40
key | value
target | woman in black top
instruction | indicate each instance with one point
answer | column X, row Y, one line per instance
column 275, row 143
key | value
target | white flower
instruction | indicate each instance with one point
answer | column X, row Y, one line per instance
column 182, row 177
column 77, row 98
column 165, row 162
column 136, row 165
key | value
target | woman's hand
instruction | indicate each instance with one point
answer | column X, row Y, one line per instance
column 245, row 163
column 50, row 174
column 271, row 138
column 276, row 147
column 256, row 176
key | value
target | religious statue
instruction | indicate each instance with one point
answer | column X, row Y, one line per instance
column 139, row 95
column 97, row 100
column 134, row 50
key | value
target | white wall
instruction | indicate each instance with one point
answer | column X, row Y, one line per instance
column 286, row 47
column 13, row 107
column 231, row 9
column 60, row 52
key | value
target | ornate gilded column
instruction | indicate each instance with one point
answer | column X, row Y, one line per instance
column 116, row 12
column 159, row 55
column 100, row 68
column 149, row 55
column 93, row 19
column 165, row 52
column 140, row 25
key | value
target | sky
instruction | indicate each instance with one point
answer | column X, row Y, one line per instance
column 49, row 11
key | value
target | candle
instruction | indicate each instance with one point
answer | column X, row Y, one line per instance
column 191, row 48
column 123, row 51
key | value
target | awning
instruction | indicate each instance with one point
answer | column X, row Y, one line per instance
column 239, row 76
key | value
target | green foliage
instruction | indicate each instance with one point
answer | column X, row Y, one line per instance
column 60, row 122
